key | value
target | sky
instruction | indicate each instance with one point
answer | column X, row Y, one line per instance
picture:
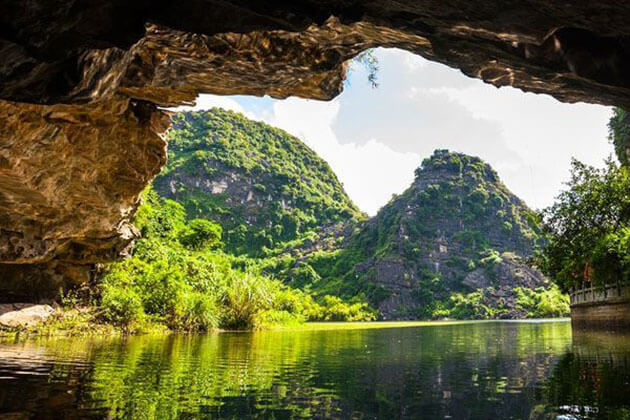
column 374, row 138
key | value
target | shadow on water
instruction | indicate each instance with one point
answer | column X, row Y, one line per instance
column 477, row 371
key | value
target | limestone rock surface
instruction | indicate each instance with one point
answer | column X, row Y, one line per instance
column 23, row 315
column 58, row 51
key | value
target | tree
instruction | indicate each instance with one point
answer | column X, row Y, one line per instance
column 589, row 228
column 201, row 234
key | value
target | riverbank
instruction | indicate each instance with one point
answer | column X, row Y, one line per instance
column 46, row 321
column 85, row 322
column 326, row 326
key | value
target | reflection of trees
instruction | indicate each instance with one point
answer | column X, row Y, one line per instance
column 227, row 375
column 465, row 371
column 594, row 378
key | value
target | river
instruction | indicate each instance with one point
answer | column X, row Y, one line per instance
column 479, row 370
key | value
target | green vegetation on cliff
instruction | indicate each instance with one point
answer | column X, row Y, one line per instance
column 179, row 276
column 455, row 200
column 454, row 244
column 264, row 186
column 456, row 239
column 260, row 232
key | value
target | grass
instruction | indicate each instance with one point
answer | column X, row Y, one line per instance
column 322, row 326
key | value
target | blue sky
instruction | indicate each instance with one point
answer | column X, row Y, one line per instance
column 375, row 138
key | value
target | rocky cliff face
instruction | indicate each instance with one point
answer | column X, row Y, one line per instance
column 69, row 180
column 456, row 229
column 80, row 81
column 264, row 186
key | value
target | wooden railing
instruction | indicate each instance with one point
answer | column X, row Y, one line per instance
column 599, row 294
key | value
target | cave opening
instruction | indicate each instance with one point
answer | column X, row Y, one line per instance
column 398, row 115
column 86, row 95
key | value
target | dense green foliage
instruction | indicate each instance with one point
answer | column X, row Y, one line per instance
column 456, row 218
column 543, row 302
column 262, row 185
column 177, row 277
column 589, row 226
column 619, row 134
column 200, row 234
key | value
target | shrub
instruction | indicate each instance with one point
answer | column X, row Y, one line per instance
column 552, row 303
column 244, row 298
column 469, row 306
column 274, row 317
column 304, row 275
column 335, row 309
column 199, row 312
column 542, row 303
column 121, row 306
column 490, row 258
column 161, row 285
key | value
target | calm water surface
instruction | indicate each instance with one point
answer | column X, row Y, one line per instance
column 497, row 370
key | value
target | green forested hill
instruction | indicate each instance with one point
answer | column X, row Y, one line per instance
column 455, row 200
column 453, row 244
column 264, row 186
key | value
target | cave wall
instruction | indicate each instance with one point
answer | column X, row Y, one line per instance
column 81, row 83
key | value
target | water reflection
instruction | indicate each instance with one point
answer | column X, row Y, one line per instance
column 477, row 371
column 593, row 380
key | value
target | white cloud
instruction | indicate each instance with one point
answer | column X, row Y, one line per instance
column 529, row 139
column 544, row 132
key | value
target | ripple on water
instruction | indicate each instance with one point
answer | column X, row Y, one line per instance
column 507, row 370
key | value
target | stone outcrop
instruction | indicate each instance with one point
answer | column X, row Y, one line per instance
column 70, row 176
column 496, row 285
column 80, row 83
column 23, row 315
column 58, row 51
